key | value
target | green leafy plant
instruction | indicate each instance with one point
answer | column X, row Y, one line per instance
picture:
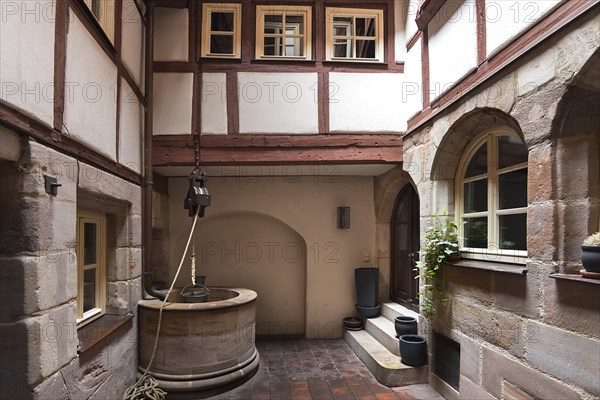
column 592, row 240
column 439, row 242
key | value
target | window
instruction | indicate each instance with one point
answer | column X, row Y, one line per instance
column 492, row 198
column 104, row 12
column 91, row 266
column 221, row 30
column 354, row 34
column 283, row 32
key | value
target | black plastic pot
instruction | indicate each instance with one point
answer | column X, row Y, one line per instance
column 367, row 286
column 590, row 258
column 413, row 350
column 405, row 326
column 352, row 323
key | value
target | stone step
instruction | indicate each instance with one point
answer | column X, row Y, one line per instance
column 385, row 366
column 392, row 310
column 382, row 329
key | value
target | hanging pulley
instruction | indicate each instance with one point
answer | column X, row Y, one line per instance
column 197, row 195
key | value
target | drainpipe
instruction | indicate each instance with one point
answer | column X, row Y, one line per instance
column 148, row 179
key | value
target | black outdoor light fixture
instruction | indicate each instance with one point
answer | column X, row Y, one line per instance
column 343, row 217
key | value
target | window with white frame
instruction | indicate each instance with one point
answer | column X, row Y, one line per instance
column 492, row 197
column 104, row 12
column 354, row 34
column 283, row 32
column 91, row 266
column 221, row 30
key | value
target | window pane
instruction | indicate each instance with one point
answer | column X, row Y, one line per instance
column 221, row 44
column 513, row 231
column 342, row 48
column 89, row 243
column 511, row 151
column 365, row 26
column 343, row 24
column 513, row 189
column 476, row 232
column 294, row 47
column 273, row 46
column 294, row 24
column 89, row 289
column 365, row 49
column 478, row 163
column 476, row 196
column 221, row 21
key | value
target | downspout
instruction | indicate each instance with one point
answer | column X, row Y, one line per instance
column 148, row 179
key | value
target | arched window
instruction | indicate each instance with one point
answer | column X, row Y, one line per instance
column 492, row 197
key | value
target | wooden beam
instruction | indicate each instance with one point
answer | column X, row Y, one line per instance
column 481, row 32
column 427, row 11
column 233, row 109
column 216, row 65
column 60, row 59
column 178, row 150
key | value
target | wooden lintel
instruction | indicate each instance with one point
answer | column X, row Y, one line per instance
column 427, row 11
column 178, row 150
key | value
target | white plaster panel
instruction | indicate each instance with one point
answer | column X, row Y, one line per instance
column 507, row 19
column 171, row 34
column 410, row 8
column 452, row 45
column 278, row 102
column 90, row 91
column 132, row 42
column 400, row 11
column 413, row 81
column 27, row 57
column 130, row 129
column 214, row 104
column 173, row 103
column 366, row 102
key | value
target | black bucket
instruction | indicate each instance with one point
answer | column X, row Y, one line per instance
column 197, row 294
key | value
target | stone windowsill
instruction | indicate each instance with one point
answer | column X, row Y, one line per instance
column 575, row 278
column 492, row 266
column 94, row 332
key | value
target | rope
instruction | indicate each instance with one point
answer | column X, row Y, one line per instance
column 146, row 387
column 193, row 257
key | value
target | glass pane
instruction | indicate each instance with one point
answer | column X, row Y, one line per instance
column 365, row 49
column 476, row 232
column 511, row 151
column 343, row 25
column 89, row 243
column 294, row 24
column 273, row 46
column 221, row 21
column 513, row 189
column 365, row 26
column 342, row 48
column 89, row 289
column 476, row 196
column 294, row 47
column 273, row 24
column 221, row 44
column 513, row 232
column 478, row 163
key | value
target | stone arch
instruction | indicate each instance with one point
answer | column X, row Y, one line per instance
column 259, row 252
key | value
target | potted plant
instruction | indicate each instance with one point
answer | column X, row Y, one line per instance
column 590, row 253
column 440, row 244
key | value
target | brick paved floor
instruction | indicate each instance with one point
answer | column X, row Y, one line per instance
column 319, row 370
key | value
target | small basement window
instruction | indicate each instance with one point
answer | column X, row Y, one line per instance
column 221, row 30
column 354, row 34
column 446, row 359
column 283, row 32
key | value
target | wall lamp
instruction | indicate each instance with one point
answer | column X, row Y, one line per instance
column 343, row 217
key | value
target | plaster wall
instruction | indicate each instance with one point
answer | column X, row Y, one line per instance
column 413, row 93
column 131, row 132
column 505, row 20
column 366, row 102
column 455, row 23
column 132, row 42
column 172, row 103
column 27, row 71
column 214, row 104
column 412, row 7
column 307, row 205
column 283, row 103
column 90, row 91
column 171, row 34
column 400, row 16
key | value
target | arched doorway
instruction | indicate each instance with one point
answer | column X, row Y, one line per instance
column 404, row 287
